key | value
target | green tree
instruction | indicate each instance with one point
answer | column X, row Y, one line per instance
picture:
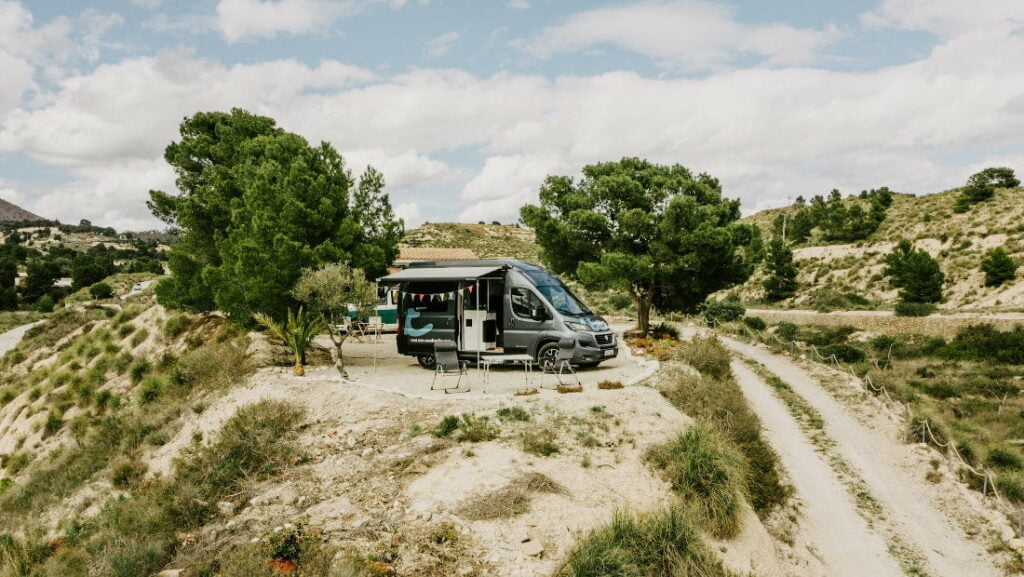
column 258, row 204
column 660, row 233
column 982, row 185
column 328, row 291
column 91, row 267
column 998, row 267
column 915, row 273
column 101, row 290
column 41, row 274
column 781, row 282
column 8, row 277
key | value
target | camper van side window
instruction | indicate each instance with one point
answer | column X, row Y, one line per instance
column 523, row 302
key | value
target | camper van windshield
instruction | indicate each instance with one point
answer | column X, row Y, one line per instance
column 558, row 294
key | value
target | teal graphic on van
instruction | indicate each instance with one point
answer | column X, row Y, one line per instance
column 411, row 314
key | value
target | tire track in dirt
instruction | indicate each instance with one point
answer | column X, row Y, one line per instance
column 881, row 462
column 830, row 523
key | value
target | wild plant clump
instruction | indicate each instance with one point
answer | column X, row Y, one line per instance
column 469, row 427
column 707, row 355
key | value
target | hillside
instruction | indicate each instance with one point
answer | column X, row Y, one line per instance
column 486, row 240
column 14, row 213
column 830, row 273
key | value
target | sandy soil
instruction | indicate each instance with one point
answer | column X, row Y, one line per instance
column 11, row 338
column 913, row 511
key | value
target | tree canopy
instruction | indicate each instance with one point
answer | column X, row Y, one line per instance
column 781, row 282
column 915, row 273
column 256, row 205
column 661, row 233
column 838, row 219
column 998, row 267
column 982, row 185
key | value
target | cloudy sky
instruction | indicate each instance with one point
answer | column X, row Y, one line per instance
column 466, row 105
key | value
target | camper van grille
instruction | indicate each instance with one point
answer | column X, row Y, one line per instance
column 604, row 339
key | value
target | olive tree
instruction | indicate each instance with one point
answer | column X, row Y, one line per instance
column 329, row 290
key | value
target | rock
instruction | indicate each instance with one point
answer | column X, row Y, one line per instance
column 532, row 548
column 367, row 452
column 226, row 508
column 351, row 442
column 171, row 573
column 1007, row 534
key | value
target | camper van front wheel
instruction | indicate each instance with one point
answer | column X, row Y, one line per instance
column 547, row 354
column 427, row 361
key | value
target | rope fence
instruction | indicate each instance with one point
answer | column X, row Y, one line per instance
column 984, row 475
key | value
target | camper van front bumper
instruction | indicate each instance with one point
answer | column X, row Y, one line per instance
column 594, row 348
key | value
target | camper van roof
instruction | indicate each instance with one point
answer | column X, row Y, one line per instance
column 495, row 262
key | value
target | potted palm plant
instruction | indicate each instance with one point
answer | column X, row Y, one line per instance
column 297, row 332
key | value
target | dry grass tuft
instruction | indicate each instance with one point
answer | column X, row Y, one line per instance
column 526, row 392
column 569, row 388
column 511, row 500
column 609, row 385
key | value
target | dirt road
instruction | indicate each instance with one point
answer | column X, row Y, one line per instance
column 11, row 338
column 918, row 536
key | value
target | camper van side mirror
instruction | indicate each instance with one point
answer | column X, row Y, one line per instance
column 539, row 314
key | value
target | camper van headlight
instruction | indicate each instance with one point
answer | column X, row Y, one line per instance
column 578, row 327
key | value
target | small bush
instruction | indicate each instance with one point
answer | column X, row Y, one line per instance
column 1011, row 486
column 125, row 330
column 755, row 323
column 1004, row 459
column 101, row 291
column 609, row 385
column 708, row 471
column 707, row 355
column 215, row 365
column 620, row 301
column 665, row 331
column 175, row 325
column 150, row 389
column 514, row 414
column 665, row 542
column 467, row 428
column 542, row 442
column 909, row 309
column 139, row 337
column 786, row 331
column 139, row 369
column 569, row 389
column 54, row 421
column 45, row 304
column 718, row 312
column 126, row 473
column 16, row 462
column 843, row 353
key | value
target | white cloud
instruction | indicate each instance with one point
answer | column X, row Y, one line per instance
column 410, row 213
column 694, row 34
column 518, row 4
column 947, row 17
column 440, row 46
column 250, row 19
column 151, row 4
column 768, row 133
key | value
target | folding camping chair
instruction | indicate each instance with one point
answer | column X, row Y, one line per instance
column 561, row 362
column 448, row 364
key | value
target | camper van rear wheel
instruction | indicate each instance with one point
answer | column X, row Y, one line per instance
column 547, row 354
column 427, row 361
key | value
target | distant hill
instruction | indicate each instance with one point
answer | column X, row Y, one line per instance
column 486, row 240
column 829, row 272
column 14, row 213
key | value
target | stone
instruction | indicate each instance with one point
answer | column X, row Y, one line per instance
column 367, row 452
column 532, row 548
column 226, row 508
column 171, row 573
column 351, row 442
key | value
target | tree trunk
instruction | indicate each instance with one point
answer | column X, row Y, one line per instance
column 339, row 358
column 642, row 301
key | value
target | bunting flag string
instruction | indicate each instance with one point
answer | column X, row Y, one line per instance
column 427, row 297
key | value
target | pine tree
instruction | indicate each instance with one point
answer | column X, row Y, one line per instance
column 998, row 267
column 781, row 282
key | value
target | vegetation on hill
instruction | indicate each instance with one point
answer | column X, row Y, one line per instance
column 485, row 240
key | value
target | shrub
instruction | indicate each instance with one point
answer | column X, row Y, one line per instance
column 620, row 301
column 998, row 267
column 101, row 290
column 215, row 365
column 447, row 426
column 16, row 462
column 126, row 473
column 513, row 414
column 1004, row 459
column 786, row 331
column 707, row 355
column 609, row 385
column 665, row 331
column 467, row 428
column 707, row 471
column 150, row 389
column 175, row 325
column 843, row 353
column 984, row 343
column 139, row 369
column 126, row 329
column 718, row 312
column 45, row 304
column 915, row 273
column 54, row 421
column 542, row 443
column 664, row 542
column 911, row 309
column 755, row 323
column 139, row 337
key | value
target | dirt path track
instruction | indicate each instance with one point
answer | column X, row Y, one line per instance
column 884, row 464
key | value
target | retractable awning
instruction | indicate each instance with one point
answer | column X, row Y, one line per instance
column 448, row 273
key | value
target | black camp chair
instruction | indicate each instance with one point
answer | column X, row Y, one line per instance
column 448, row 364
column 561, row 363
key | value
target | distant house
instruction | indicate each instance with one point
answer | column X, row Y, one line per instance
column 410, row 254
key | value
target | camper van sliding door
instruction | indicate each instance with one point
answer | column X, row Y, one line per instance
column 430, row 311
